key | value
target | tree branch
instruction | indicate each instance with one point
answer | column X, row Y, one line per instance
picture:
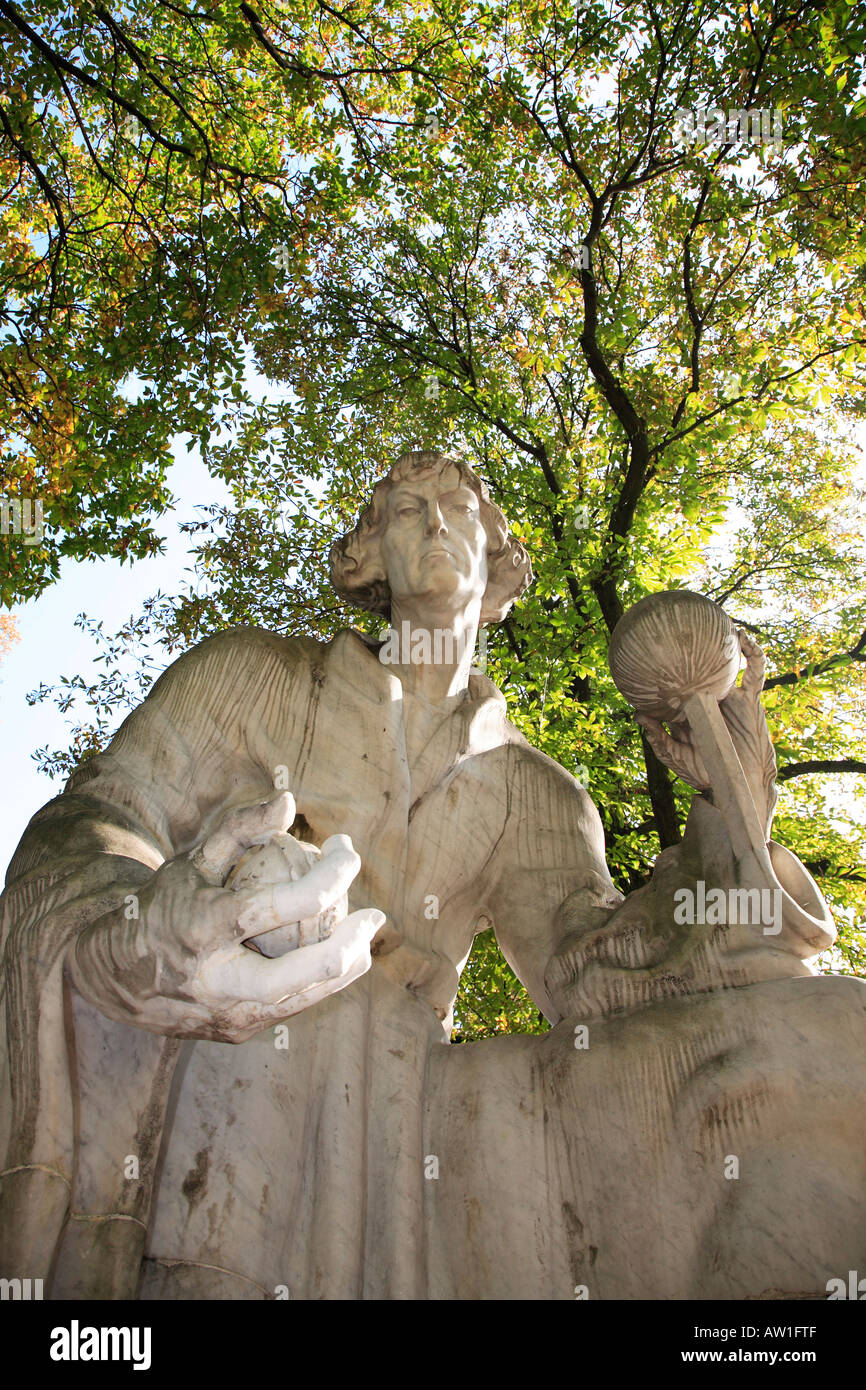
column 784, row 774
column 856, row 653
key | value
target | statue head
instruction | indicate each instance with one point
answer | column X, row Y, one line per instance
column 359, row 560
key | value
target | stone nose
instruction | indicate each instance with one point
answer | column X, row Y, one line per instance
column 435, row 521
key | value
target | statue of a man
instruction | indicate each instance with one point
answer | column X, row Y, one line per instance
column 298, row 1165
column 144, row 1156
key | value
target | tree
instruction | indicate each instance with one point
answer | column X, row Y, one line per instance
column 515, row 241
column 9, row 634
column 148, row 169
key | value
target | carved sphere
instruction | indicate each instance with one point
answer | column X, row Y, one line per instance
column 671, row 645
column 285, row 859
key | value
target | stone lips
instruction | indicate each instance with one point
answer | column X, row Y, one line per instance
column 670, row 645
column 283, row 857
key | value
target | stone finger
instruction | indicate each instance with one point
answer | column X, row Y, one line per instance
column 341, row 958
column 274, row 904
column 241, row 828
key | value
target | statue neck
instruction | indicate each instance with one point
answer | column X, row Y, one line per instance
column 431, row 655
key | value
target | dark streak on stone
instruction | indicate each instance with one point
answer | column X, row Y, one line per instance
column 195, row 1182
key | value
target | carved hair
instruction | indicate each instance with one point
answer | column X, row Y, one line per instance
column 357, row 567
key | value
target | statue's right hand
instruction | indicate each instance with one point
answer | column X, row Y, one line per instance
column 187, row 971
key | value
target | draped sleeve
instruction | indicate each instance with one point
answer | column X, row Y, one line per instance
column 550, row 868
column 202, row 741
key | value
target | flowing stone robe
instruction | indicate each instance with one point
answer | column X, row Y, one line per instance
column 260, row 1167
column 264, row 1170
column 695, row 1129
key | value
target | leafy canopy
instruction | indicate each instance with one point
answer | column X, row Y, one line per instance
column 485, row 228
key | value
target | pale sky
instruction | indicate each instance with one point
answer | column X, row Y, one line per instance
column 51, row 646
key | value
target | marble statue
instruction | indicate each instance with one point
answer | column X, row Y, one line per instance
column 231, row 948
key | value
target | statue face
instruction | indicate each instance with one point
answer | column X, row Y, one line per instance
column 434, row 543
